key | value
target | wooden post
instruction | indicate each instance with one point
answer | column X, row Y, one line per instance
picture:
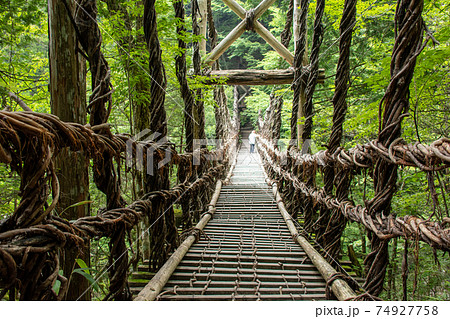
column 236, row 108
column 202, row 19
column 296, row 22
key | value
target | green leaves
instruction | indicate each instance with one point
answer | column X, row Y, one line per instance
column 23, row 52
column 85, row 271
column 57, row 284
column 86, row 202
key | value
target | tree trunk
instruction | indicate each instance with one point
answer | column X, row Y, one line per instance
column 68, row 102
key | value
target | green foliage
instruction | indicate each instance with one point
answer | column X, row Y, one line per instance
column 86, row 272
column 23, row 53
column 9, row 189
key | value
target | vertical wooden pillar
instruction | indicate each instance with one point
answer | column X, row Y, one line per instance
column 296, row 22
column 202, row 23
column 236, row 115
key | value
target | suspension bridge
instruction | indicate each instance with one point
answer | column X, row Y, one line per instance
column 254, row 226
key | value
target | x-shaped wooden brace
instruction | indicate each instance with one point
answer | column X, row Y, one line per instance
column 242, row 26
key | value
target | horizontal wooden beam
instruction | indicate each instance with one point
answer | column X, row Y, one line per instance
column 255, row 77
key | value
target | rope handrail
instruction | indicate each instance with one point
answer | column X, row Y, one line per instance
column 42, row 128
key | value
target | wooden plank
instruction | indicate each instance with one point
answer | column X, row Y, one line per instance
column 247, row 283
column 247, row 277
column 244, row 297
column 255, row 77
column 200, row 290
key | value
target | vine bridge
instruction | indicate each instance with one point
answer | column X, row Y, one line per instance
column 265, row 229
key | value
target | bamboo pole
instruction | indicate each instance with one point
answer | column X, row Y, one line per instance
column 157, row 283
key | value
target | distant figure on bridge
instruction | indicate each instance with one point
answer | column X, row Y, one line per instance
column 252, row 141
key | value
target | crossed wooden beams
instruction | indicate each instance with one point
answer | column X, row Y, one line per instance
column 249, row 22
column 252, row 77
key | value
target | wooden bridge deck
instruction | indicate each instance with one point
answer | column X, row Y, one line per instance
column 249, row 253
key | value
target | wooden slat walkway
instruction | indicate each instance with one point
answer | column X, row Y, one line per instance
column 249, row 253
